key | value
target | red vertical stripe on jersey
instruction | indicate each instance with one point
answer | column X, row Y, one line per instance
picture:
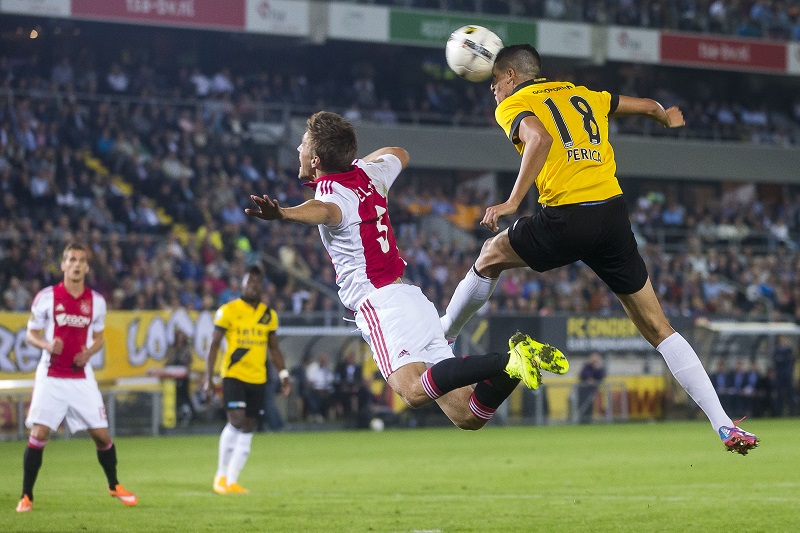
column 378, row 342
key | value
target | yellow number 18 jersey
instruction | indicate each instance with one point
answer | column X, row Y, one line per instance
column 580, row 166
column 247, row 330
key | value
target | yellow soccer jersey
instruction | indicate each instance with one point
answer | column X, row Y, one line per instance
column 247, row 331
column 580, row 166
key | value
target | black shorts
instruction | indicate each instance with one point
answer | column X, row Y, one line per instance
column 599, row 235
column 238, row 394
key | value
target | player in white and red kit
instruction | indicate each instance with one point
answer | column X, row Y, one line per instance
column 67, row 322
column 400, row 324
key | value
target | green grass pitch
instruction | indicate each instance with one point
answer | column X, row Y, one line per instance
column 672, row 476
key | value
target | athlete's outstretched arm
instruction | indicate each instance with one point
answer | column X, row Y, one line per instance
column 399, row 153
column 537, row 145
column 629, row 105
column 311, row 213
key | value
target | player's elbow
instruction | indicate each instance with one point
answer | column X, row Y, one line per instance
column 31, row 338
column 541, row 141
column 401, row 154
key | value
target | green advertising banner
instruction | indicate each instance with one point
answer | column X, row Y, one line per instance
column 433, row 29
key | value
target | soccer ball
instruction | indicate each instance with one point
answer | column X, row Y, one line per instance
column 376, row 424
column 471, row 51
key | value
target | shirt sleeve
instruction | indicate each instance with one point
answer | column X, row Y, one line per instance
column 335, row 193
column 41, row 304
column 383, row 171
column 221, row 318
column 100, row 309
column 509, row 114
column 614, row 102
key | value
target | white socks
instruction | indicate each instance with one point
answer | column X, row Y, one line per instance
column 239, row 457
column 472, row 292
column 687, row 369
column 227, row 440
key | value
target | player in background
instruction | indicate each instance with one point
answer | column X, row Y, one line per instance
column 561, row 131
column 66, row 323
column 248, row 326
column 400, row 324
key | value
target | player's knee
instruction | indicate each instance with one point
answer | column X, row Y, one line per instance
column 41, row 433
column 237, row 420
column 487, row 263
column 415, row 399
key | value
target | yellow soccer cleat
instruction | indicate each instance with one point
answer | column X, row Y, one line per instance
column 235, row 488
column 547, row 357
column 522, row 365
column 220, row 485
column 124, row 495
column 25, row 504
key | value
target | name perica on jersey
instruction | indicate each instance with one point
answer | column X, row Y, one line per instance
column 580, row 166
column 247, row 330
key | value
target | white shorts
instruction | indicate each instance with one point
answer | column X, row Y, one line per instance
column 401, row 326
column 79, row 400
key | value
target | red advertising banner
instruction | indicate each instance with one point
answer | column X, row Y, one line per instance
column 728, row 54
column 228, row 14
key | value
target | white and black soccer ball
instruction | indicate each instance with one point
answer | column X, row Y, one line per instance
column 470, row 52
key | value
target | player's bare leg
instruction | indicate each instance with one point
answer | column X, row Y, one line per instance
column 494, row 375
column 405, row 381
column 645, row 312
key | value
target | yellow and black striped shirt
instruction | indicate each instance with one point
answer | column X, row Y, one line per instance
column 247, row 330
column 580, row 166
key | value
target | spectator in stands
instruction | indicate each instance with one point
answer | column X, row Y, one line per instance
column 179, row 354
column 592, row 375
column 784, row 360
column 319, row 387
column 347, row 384
column 117, row 80
column 722, row 379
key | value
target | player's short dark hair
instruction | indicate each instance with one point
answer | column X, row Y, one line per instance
column 332, row 138
column 73, row 245
column 255, row 270
column 523, row 58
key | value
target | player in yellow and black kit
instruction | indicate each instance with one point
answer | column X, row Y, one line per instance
column 248, row 327
column 561, row 132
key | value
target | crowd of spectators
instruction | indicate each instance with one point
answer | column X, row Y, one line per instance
column 380, row 86
column 774, row 19
column 158, row 188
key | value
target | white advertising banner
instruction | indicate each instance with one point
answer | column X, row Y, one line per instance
column 793, row 58
column 52, row 8
column 278, row 17
column 354, row 22
column 635, row 45
column 564, row 39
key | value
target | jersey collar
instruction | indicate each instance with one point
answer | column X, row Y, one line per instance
column 339, row 177
column 528, row 84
